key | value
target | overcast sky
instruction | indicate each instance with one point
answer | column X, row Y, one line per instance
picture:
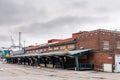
column 41, row 20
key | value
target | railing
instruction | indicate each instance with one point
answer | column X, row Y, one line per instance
column 86, row 66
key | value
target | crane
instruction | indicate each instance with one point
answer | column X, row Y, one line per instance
column 13, row 44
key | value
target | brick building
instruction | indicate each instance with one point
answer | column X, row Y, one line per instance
column 105, row 46
column 53, row 45
column 105, row 43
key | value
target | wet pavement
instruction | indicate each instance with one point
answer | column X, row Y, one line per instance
column 24, row 72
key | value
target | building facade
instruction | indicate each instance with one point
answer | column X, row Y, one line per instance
column 105, row 46
column 53, row 45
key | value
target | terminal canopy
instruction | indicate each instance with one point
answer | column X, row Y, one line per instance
column 57, row 53
column 79, row 52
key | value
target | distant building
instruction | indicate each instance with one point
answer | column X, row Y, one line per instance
column 53, row 45
column 16, row 51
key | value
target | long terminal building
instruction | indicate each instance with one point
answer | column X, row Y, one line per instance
column 98, row 49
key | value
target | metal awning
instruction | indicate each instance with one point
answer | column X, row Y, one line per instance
column 56, row 53
column 79, row 52
column 27, row 55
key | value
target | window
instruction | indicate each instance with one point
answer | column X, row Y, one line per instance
column 106, row 45
column 30, row 51
column 45, row 49
column 41, row 50
column 50, row 48
column 33, row 51
column 27, row 52
column 36, row 50
column 118, row 44
column 62, row 47
column 55, row 48
column 71, row 46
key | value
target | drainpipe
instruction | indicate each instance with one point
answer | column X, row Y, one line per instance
column 113, row 54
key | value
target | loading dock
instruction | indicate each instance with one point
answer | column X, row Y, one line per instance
column 58, row 59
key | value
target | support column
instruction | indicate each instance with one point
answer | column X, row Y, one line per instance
column 38, row 60
column 45, row 62
column 32, row 61
column 15, row 60
column 77, row 62
column 12, row 60
column 18, row 60
column 63, row 62
column 24, row 60
column 29, row 61
column 21, row 60
column 53, row 61
column 7, row 60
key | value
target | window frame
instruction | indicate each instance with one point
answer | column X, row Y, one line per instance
column 106, row 45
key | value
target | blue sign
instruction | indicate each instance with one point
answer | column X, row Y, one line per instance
column 5, row 53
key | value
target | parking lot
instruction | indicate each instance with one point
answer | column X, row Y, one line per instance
column 24, row 72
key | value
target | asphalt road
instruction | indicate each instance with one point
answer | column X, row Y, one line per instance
column 23, row 72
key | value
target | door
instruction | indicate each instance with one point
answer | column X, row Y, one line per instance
column 117, row 63
column 107, row 67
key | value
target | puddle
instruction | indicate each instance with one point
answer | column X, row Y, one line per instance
column 99, row 77
column 52, row 75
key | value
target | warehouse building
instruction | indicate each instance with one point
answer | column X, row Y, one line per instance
column 98, row 49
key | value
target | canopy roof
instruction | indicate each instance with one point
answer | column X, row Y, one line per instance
column 79, row 52
column 57, row 53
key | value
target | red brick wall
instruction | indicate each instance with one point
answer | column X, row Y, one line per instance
column 87, row 40
column 94, row 40
column 98, row 59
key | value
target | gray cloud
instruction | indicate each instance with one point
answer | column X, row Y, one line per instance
column 75, row 4
column 59, row 24
column 4, row 38
column 105, row 6
column 12, row 13
column 40, row 20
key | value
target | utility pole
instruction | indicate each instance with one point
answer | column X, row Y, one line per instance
column 19, row 41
